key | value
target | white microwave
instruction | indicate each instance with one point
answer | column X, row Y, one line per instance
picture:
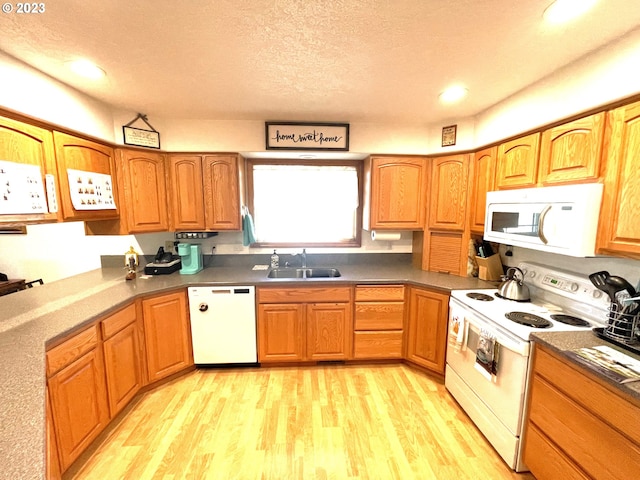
column 562, row 219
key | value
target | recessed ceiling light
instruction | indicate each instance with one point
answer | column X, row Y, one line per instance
column 453, row 94
column 562, row 11
column 86, row 69
column 307, row 156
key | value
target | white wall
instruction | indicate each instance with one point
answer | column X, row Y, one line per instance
column 607, row 75
column 30, row 92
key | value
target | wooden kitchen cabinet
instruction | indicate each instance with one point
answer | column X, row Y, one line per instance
column 482, row 180
column 448, row 199
column 27, row 145
column 517, row 165
column 222, row 191
column 206, row 192
column 122, row 357
column 378, row 322
column 142, row 195
column 167, row 335
column 619, row 225
column 571, row 153
column 329, row 331
column 78, row 393
column 87, row 156
column 281, row 333
column 397, row 192
column 187, row 192
column 443, row 245
column 427, row 329
column 578, row 426
column 304, row 324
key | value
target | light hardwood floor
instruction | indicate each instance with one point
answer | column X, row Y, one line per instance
column 318, row 422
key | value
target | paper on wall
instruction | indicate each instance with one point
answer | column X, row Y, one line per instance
column 91, row 190
column 21, row 189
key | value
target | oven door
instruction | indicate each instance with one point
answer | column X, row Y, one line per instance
column 496, row 407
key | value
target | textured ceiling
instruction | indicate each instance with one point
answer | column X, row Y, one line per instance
column 321, row 60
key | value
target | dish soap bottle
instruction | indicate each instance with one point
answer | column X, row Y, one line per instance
column 275, row 260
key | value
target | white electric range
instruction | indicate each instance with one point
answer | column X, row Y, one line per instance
column 560, row 301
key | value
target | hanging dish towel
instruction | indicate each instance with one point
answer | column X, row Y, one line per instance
column 487, row 355
column 458, row 328
column 248, row 230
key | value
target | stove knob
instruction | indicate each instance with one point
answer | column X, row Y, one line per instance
column 574, row 287
column 597, row 294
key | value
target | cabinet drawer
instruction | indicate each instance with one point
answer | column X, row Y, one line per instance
column 379, row 316
column 365, row 293
column 545, row 460
column 383, row 344
column 607, row 404
column 601, row 451
column 70, row 350
column 116, row 322
column 304, row 295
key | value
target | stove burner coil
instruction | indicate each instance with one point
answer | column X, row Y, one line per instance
column 483, row 297
column 528, row 319
column 569, row 320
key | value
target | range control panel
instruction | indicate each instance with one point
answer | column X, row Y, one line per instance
column 570, row 285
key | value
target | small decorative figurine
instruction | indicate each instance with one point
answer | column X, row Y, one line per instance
column 131, row 262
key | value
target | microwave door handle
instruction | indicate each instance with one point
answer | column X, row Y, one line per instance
column 543, row 216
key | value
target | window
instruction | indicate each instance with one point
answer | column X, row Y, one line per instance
column 297, row 203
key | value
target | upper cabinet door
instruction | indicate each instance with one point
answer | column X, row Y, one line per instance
column 222, row 192
column 483, row 171
column 518, row 162
column 619, row 227
column 86, row 156
column 571, row 152
column 28, row 145
column 398, row 193
column 449, row 181
column 145, row 192
column 187, row 192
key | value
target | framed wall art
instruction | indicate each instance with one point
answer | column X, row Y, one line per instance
column 449, row 135
column 307, row 136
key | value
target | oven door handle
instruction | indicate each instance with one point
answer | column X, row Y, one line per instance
column 543, row 216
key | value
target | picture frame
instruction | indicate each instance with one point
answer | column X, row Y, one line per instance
column 140, row 137
column 307, row 136
column 449, row 135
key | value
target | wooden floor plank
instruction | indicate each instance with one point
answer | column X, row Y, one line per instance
column 319, row 422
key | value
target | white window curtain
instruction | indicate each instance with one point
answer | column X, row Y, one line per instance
column 305, row 203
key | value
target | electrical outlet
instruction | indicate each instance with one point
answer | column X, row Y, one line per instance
column 168, row 246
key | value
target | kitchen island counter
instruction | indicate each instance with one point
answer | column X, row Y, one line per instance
column 32, row 319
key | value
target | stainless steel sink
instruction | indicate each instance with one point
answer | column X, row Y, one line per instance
column 316, row 272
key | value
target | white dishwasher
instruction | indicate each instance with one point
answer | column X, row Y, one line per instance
column 223, row 325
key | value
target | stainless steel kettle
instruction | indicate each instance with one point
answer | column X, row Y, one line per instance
column 512, row 288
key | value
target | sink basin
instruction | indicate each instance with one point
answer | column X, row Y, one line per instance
column 303, row 273
column 322, row 272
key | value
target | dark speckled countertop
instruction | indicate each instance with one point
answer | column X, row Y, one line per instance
column 563, row 342
column 33, row 318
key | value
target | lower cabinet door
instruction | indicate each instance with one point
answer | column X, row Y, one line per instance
column 167, row 335
column 122, row 366
column 329, row 331
column 79, row 405
column 427, row 331
column 280, row 332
